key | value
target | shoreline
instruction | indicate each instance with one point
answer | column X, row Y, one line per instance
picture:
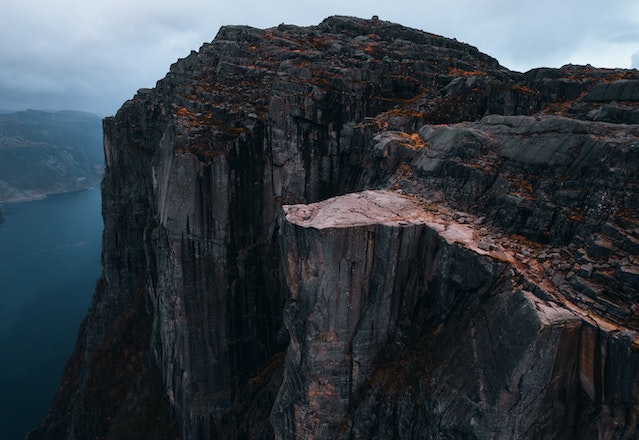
column 34, row 196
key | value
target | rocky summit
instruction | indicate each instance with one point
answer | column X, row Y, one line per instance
column 358, row 230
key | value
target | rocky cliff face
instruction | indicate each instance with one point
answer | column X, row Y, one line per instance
column 360, row 230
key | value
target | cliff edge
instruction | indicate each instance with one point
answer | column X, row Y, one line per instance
column 361, row 230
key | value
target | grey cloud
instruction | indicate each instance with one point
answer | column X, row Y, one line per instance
column 95, row 55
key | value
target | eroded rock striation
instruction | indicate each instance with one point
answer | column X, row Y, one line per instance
column 361, row 230
column 406, row 322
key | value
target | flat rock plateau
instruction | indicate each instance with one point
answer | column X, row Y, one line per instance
column 358, row 230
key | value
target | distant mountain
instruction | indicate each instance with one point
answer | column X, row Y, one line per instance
column 45, row 153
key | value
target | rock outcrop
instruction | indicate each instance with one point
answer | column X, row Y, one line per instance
column 406, row 322
column 456, row 256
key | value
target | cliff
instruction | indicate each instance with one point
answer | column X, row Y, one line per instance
column 44, row 153
column 361, row 230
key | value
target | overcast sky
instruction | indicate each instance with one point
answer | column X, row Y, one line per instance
column 93, row 55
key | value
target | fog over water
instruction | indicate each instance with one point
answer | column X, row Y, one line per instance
column 49, row 264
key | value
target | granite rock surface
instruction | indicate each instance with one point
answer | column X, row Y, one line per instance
column 361, row 230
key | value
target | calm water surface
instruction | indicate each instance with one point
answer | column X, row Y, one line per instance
column 49, row 263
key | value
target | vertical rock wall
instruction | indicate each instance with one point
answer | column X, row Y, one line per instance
column 461, row 343
column 353, row 289
column 463, row 317
column 372, row 278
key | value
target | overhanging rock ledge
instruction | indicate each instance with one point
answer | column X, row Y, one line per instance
column 379, row 275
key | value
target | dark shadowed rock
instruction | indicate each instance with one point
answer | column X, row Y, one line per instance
column 405, row 325
column 622, row 90
column 486, row 288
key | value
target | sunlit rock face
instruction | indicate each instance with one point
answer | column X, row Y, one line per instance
column 360, row 230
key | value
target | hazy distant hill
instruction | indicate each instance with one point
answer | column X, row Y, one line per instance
column 45, row 153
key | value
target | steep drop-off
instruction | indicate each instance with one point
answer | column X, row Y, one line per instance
column 255, row 287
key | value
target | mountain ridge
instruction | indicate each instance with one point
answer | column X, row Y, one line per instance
column 46, row 152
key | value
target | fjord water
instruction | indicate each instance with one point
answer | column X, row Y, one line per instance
column 49, row 264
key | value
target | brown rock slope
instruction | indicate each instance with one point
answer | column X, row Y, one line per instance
column 486, row 288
